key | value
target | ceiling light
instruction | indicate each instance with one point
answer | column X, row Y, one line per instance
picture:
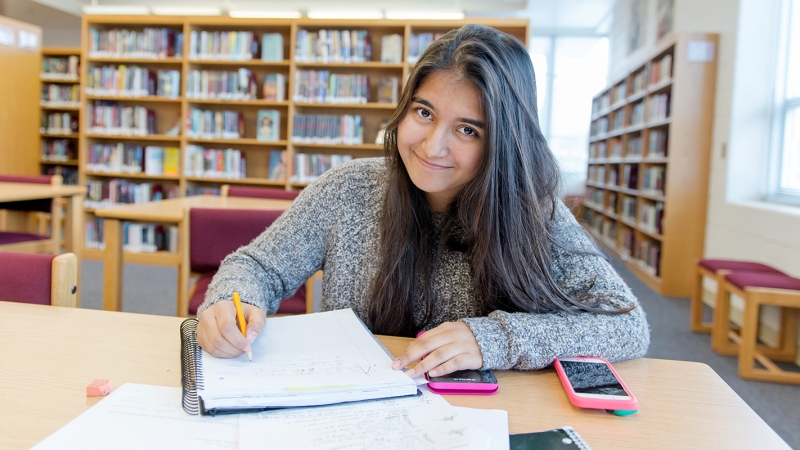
column 345, row 15
column 115, row 10
column 428, row 15
column 265, row 14
column 186, row 11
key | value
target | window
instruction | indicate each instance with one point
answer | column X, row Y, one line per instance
column 785, row 177
column 570, row 70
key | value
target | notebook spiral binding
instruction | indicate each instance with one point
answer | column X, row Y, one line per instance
column 191, row 366
column 576, row 438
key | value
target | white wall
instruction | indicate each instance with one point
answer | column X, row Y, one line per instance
column 739, row 225
column 59, row 29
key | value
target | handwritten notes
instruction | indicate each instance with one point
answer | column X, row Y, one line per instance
column 421, row 422
column 313, row 359
column 137, row 416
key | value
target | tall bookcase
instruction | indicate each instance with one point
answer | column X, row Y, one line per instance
column 60, row 96
column 169, row 111
column 649, row 151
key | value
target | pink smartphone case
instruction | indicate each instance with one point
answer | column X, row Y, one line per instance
column 595, row 403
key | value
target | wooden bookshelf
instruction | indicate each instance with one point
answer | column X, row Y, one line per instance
column 66, row 164
column 655, row 123
column 172, row 110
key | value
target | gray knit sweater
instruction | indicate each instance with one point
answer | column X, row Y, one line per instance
column 333, row 226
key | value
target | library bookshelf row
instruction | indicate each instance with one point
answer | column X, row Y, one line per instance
column 60, row 105
column 649, row 150
column 177, row 106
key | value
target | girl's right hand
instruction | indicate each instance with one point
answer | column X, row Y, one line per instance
column 219, row 334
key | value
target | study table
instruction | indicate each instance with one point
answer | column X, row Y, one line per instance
column 171, row 212
column 15, row 192
column 49, row 354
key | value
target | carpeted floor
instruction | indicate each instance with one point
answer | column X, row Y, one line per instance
column 151, row 289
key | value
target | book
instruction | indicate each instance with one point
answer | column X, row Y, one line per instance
column 387, row 90
column 272, row 47
column 277, row 165
column 274, row 88
column 392, row 48
column 560, row 438
column 268, row 126
column 305, row 360
column 154, row 160
column 171, row 161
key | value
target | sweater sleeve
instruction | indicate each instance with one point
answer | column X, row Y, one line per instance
column 276, row 263
column 532, row 341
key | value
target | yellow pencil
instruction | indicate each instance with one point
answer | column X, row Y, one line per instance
column 237, row 302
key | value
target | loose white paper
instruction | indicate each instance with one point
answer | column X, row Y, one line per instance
column 422, row 422
column 492, row 421
column 137, row 416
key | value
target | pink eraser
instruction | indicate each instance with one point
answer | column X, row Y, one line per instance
column 98, row 388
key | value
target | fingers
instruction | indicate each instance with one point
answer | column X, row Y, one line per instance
column 256, row 318
column 446, row 348
column 218, row 333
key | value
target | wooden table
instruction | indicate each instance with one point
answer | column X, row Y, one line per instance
column 15, row 192
column 172, row 212
column 43, row 376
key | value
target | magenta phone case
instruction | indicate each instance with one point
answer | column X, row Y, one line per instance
column 596, row 403
column 463, row 389
column 459, row 388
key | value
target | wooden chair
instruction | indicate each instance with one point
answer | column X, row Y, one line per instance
column 257, row 192
column 212, row 235
column 759, row 289
column 39, row 279
column 716, row 269
column 34, row 240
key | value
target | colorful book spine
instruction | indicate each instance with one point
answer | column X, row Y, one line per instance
column 313, row 86
column 60, row 95
column 223, row 45
column 418, row 43
column 151, row 43
column 207, row 124
column 221, row 85
column 308, row 168
column 112, row 118
column 106, row 193
column 60, row 68
column 58, row 150
column 328, row 129
column 344, row 46
column 211, row 163
column 59, row 123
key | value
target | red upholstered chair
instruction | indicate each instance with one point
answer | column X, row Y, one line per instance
column 214, row 234
column 257, row 192
column 717, row 269
column 34, row 239
column 39, row 279
column 759, row 289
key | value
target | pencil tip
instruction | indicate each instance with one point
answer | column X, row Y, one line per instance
column 250, row 355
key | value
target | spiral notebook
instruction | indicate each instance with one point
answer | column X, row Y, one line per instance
column 564, row 438
column 305, row 360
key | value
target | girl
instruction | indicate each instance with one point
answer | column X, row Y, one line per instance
column 457, row 230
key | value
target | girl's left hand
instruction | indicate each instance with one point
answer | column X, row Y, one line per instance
column 449, row 347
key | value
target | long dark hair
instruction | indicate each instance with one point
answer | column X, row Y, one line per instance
column 500, row 218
